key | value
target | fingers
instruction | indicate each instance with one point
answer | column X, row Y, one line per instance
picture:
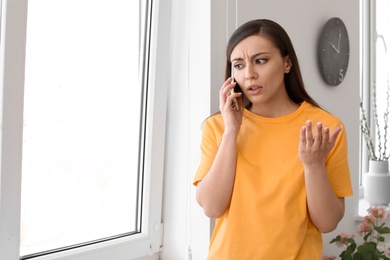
column 223, row 92
column 227, row 86
column 316, row 142
column 234, row 102
column 228, row 97
column 325, row 137
column 307, row 134
column 334, row 134
column 322, row 137
column 303, row 136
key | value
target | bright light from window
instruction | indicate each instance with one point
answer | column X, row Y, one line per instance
column 81, row 123
column 382, row 66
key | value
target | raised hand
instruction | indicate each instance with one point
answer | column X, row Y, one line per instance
column 315, row 145
column 228, row 103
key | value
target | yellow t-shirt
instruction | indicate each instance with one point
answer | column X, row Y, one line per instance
column 268, row 217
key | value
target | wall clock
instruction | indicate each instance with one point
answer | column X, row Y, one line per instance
column 333, row 51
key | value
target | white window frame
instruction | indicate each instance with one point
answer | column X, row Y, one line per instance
column 145, row 245
column 368, row 73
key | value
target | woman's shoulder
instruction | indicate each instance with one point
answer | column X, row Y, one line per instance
column 214, row 118
column 214, row 121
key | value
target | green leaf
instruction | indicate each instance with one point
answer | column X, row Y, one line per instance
column 351, row 248
column 368, row 251
column 367, row 236
column 336, row 239
column 357, row 256
column 382, row 230
column 345, row 255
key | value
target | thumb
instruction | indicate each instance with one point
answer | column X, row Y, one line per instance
column 334, row 134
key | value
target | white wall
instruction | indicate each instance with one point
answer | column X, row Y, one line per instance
column 188, row 105
column 197, row 71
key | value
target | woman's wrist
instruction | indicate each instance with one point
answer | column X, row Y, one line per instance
column 230, row 133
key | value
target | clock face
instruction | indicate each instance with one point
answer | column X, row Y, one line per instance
column 333, row 51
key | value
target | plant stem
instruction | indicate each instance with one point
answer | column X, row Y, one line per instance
column 386, row 120
column 376, row 120
column 366, row 133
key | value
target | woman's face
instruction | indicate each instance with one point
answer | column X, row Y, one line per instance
column 259, row 69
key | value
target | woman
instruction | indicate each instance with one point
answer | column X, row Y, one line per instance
column 274, row 172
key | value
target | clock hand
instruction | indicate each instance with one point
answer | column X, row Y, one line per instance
column 334, row 47
column 338, row 44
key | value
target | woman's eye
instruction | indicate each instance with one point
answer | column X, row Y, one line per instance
column 261, row 61
column 238, row 66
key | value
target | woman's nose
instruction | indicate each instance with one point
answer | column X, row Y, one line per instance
column 250, row 72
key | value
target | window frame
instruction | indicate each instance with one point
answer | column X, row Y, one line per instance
column 368, row 74
column 367, row 57
column 12, row 56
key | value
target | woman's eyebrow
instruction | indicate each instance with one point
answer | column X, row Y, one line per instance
column 237, row 59
column 258, row 54
column 251, row 57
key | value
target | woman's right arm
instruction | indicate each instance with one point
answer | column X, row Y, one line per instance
column 214, row 191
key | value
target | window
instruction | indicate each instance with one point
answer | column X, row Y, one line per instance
column 382, row 68
column 376, row 68
column 79, row 155
column 82, row 121
column 375, row 71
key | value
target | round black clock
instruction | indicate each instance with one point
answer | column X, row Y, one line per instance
column 333, row 51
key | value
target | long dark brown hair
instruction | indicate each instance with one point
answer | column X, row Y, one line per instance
column 273, row 31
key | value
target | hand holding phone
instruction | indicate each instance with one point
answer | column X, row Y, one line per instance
column 235, row 102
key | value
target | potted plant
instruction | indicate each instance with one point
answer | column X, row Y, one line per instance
column 373, row 247
column 376, row 181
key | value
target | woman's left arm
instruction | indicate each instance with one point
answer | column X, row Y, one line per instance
column 325, row 208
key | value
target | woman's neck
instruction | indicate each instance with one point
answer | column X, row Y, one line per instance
column 274, row 109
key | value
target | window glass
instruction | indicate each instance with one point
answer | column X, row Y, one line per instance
column 382, row 70
column 82, row 121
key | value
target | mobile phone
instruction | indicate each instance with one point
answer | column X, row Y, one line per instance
column 235, row 102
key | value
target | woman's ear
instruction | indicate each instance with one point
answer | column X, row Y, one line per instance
column 287, row 64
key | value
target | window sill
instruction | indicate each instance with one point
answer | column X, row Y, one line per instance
column 362, row 210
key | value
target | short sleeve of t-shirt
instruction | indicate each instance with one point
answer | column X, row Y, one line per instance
column 338, row 168
column 211, row 137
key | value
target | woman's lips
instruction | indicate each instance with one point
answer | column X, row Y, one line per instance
column 254, row 89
